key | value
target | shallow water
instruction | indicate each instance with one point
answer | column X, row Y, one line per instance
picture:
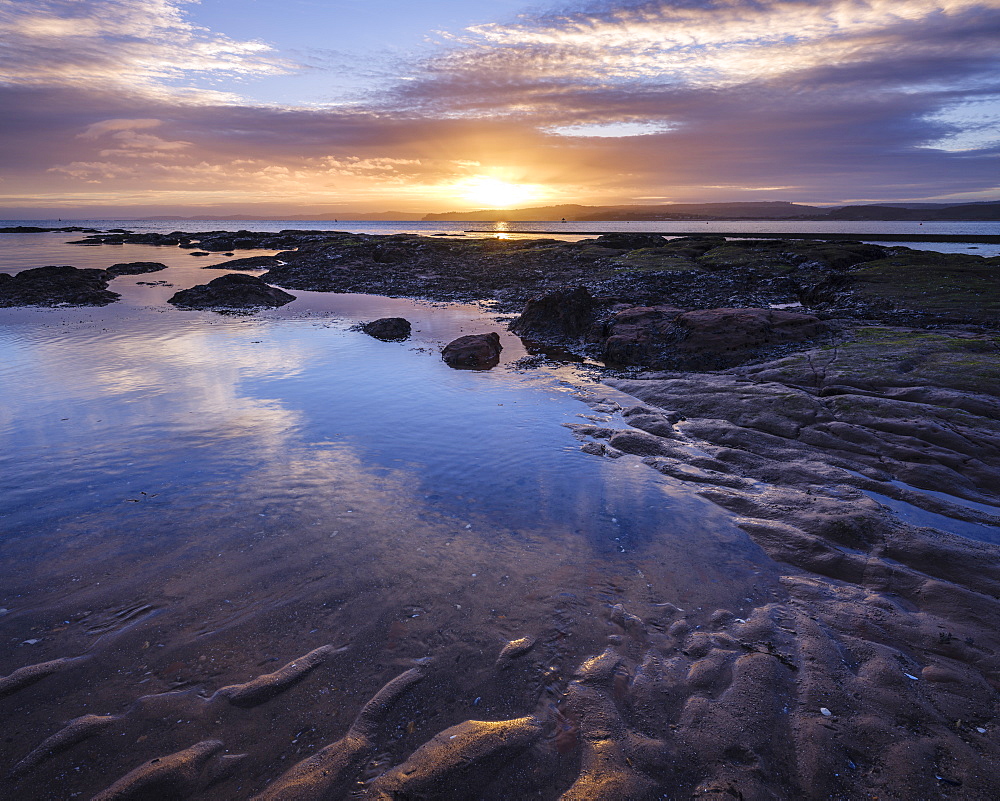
column 192, row 499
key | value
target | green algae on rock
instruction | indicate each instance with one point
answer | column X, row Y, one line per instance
column 933, row 287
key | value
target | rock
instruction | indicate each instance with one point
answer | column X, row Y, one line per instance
column 664, row 337
column 249, row 263
column 630, row 241
column 639, row 443
column 726, row 337
column 136, row 268
column 34, row 229
column 475, row 351
column 638, row 335
column 566, row 312
column 388, row 329
column 232, row 291
column 46, row 286
column 923, row 286
column 655, row 421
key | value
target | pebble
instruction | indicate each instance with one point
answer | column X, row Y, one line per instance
column 825, row 712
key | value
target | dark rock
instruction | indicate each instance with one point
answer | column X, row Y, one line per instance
column 219, row 245
column 46, row 286
column 922, row 286
column 475, row 351
column 639, row 335
column 655, row 421
column 665, row 337
column 34, row 229
column 199, row 252
column 231, row 291
column 566, row 312
column 136, row 268
column 728, row 336
column 782, row 255
column 639, row 443
column 630, row 241
column 388, row 329
column 248, row 263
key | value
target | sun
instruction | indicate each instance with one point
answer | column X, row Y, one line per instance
column 493, row 193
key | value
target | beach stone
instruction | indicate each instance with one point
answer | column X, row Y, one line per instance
column 136, row 267
column 475, row 351
column 46, row 286
column 564, row 312
column 388, row 328
column 231, row 291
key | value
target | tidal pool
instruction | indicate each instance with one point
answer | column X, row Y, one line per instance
column 190, row 499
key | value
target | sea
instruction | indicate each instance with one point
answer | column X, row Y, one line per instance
column 572, row 230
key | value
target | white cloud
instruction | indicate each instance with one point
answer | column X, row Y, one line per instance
column 144, row 47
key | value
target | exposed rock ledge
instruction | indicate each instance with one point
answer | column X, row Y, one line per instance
column 872, row 470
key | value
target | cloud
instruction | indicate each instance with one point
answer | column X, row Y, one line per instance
column 137, row 46
column 98, row 129
column 815, row 101
column 555, row 61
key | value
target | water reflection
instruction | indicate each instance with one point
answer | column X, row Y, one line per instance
column 266, row 485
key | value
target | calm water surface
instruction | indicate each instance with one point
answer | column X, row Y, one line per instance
column 190, row 499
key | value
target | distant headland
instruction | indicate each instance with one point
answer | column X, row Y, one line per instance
column 984, row 211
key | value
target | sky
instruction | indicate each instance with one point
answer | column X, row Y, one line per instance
column 112, row 107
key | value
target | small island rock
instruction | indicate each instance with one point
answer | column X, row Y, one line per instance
column 231, row 292
column 388, row 329
column 48, row 286
column 475, row 351
column 136, row 268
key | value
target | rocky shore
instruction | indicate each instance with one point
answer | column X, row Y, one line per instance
column 841, row 400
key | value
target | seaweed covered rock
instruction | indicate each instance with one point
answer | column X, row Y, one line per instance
column 51, row 285
column 388, row 329
column 785, row 255
column 475, row 351
column 565, row 312
column 924, row 286
column 231, row 292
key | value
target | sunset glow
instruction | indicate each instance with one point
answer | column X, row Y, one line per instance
column 492, row 193
column 173, row 104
